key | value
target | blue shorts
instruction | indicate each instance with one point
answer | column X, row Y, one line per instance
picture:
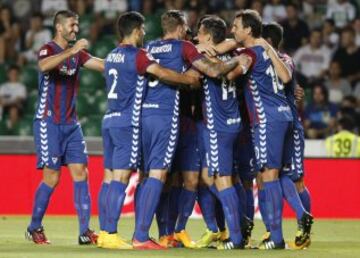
column 58, row 145
column 271, row 142
column 219, row 147
column 200, row 127
column 187, row 156
column 245, row 156
column 296, row 170
column 121, row 147
column 159, row 140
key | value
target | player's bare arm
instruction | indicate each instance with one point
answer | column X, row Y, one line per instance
column 171, row 77
column 51, row 62
column 281, row 68
column 242, row 68
column 226, row 46
column 213, row 69
column 95, row 63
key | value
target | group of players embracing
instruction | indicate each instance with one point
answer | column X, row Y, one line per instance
column 198, row 122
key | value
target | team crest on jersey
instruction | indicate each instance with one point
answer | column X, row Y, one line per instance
column 43, row 52
column 54, row 160
column 64, row 70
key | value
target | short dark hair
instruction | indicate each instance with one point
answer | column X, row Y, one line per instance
column 349, row 29
column 273, row 31
column 216, row 27
column 251, row 19
column 171, row 19
column 63, row 14
column 129, row 21
column 347, row 123
column 37, row 15
column 13, row 67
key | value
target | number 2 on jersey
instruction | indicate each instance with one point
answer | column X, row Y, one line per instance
column 112, row 94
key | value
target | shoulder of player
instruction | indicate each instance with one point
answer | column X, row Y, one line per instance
column 46, row 48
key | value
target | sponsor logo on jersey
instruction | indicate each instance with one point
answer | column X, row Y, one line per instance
column 150, row 105
column 283, row 108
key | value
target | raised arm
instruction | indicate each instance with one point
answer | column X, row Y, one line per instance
column 281, row 69
column 51, row 62
column 95, row 63
column 171, row 77
column 213, row 69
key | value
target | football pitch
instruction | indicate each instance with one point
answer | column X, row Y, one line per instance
column 331, row 238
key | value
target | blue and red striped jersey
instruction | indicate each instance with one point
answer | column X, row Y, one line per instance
column 58, row 88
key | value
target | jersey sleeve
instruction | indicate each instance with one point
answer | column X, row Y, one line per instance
column 189, row 52
column 248, row 52
column 45, row 51
column 84, row 56
column 143, row 60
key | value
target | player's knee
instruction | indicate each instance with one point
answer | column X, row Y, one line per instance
column 159, row 174
column 107, row 176
column 191, row 183
column 300, row 186
column 78, row 173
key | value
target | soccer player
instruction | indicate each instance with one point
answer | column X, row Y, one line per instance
column 222, row 125
column 57, row 133
column 160, row 116
column 125, row 68
column 294, row 173
column 345, row 143
column 270, row 114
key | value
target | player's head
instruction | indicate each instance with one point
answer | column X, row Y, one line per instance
column 247, row 23
column 131, row 24
column 212, row 29
column 346, row 123
column 66, row 25
column 174, row 22
column 273, row 33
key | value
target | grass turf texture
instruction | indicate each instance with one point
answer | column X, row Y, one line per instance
column 331, row 238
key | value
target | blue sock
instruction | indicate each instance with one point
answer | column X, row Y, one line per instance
column 102, row 204
column 148, row 202
column 274, row 207
column 174, row 197
column 230, row 202
column 207, row 205
column 240, row 190
column 219, row 211
column 291, row 196
column 136, row 197
column 82, row 204
column 262, row 208
column 186, row 206
column 250, row 209
column 306, row 199
column 219, row 215
column 114, row 202
column 42, row 197
column 162, row 214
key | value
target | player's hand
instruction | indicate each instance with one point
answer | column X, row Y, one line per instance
column 206, row 49
column 79, row 45
column 299, row 93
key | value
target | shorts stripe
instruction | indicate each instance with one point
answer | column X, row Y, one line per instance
column 44, row 143
column 298, row 153
column 170, row 149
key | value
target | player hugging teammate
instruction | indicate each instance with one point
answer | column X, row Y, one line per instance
column 198, row 123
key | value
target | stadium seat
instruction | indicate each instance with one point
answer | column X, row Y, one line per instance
column 3, row 76
column 82, row 106
column 92, row 126
column 90, row 81
column 23, row 127
column 29, row 76
column 3, row 128
column 101, row 104
column 102, row 48
column 31, row 102
column 85, row 24
column 152, row 27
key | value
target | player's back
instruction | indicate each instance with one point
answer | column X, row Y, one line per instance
column 160, row 97
column 344, row 144
column 58, row 88
column 265, row 96
column 124, row 85
column 221, row 103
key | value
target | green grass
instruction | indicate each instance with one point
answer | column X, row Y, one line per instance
column 331, row 238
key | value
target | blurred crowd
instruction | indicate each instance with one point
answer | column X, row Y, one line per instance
column 323, row 37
